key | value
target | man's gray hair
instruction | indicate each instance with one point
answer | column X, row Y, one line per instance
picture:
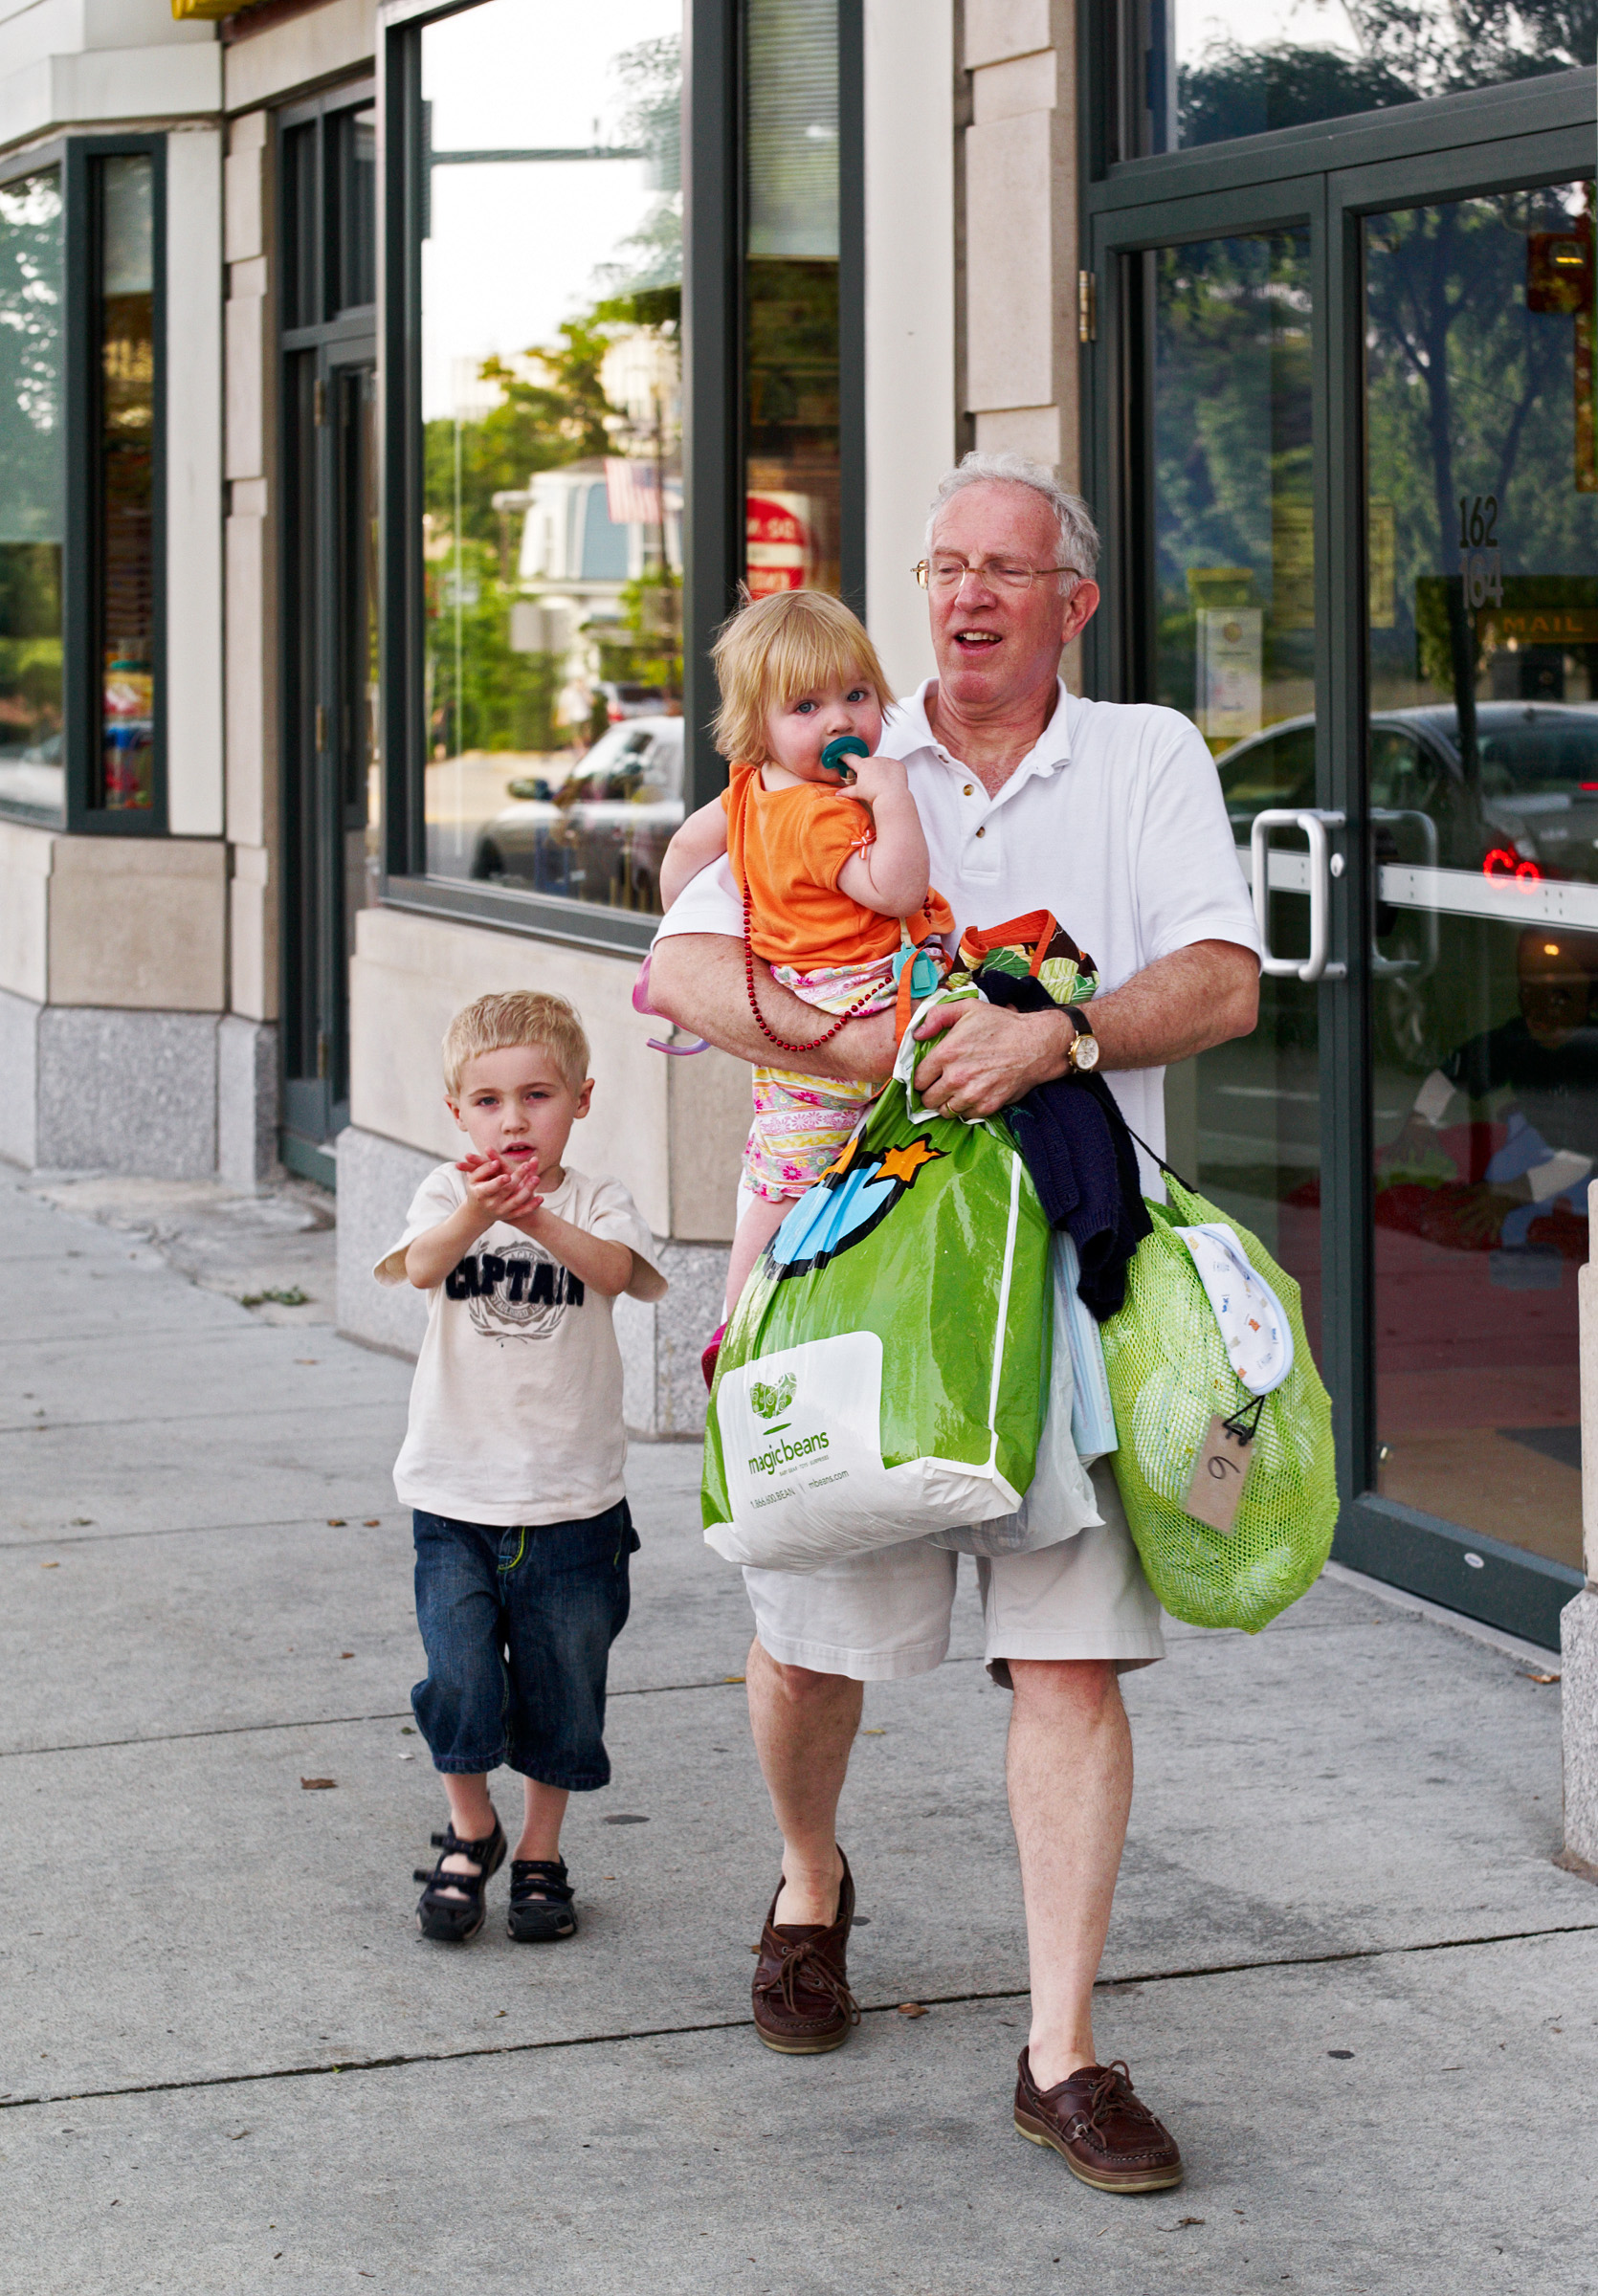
column 1078, row 536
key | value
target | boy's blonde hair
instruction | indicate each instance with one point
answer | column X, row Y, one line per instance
column 780, row 647
column 519, row 1016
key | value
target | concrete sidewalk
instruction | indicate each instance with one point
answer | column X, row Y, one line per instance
column 1343, row 1964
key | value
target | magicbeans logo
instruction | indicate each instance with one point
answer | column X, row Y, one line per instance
column 765, row 1402
column 784, row 1453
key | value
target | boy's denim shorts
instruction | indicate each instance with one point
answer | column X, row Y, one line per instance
column 517, row 1626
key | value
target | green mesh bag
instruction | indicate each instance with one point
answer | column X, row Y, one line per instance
column 1169, row 1375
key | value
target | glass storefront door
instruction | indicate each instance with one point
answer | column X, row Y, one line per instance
column 1230, row 630
column 334, row 803
column 332, row 782
column 1346, row 448
column 1482, row 531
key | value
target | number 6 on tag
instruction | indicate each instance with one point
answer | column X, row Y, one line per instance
column 1219, row 1473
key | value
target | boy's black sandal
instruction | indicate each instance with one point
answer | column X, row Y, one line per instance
column 454, row 1920
column 540, row 1901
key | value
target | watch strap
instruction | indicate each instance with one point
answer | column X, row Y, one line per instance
column 1084, row 1026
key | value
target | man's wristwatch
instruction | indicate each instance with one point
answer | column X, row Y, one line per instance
column 1082, row 1052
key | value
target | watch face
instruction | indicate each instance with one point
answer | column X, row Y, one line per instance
column 1084, row 1051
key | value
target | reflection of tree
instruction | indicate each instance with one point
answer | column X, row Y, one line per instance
column 1242, row 92
column 31, row 359
column 31, row 509
column 1443, row 47
column 1466, row 388
column 650, row 77
column 552, row 410
column 508, row 699
column 1407, row 49
column 1232, row 431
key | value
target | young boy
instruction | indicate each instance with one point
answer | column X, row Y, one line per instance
column 513, row 1458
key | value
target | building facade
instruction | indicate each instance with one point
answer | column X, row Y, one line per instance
column 393, row 401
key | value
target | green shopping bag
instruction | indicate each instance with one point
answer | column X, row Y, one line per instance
column 886, row 1371
column 1171, row 1379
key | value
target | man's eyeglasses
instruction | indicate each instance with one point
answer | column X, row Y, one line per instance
column 946, row 574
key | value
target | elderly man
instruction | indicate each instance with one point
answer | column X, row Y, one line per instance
column 1110, row 816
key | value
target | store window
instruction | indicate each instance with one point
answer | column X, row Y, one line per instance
column 791, row 289
column 550, row 540
column 81, row 491
column 1204, row 73
column 32, row 498
column 551, row 503
column 122, row 503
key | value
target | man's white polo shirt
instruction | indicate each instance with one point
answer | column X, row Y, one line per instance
column 1114, row 821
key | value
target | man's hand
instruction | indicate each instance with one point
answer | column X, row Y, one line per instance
column 697, row 980
column 501, row 1190
column 1178, row 1006
column 988, row 1056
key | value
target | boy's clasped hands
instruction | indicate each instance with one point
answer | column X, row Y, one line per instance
column 503, row 1187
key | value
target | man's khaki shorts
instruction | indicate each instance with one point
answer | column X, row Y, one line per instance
column 881, row 1616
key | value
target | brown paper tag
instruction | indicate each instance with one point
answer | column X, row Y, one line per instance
column 1219, row 1473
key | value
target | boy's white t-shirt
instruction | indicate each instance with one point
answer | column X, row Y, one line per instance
column 516, row 1409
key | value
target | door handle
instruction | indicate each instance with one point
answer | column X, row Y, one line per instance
column 1418, row 968
column 1315, row 823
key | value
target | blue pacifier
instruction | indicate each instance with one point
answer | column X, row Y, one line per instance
column 846, row 746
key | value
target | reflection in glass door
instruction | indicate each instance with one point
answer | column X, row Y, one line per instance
column 1482, row 539
column 1228, row 632
column 333, row 806
column 331, row 779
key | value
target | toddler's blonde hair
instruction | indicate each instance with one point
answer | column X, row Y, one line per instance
column 518, row 1016
column 778, row 648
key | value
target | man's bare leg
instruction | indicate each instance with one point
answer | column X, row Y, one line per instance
column 804, row 1725
column 1069, row 1766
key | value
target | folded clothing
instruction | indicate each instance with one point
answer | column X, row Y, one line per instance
column 1075, row 1142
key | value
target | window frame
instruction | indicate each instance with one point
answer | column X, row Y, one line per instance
column 713, row 393
column 83, row 674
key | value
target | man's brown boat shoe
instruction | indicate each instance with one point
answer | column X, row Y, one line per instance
column 1104, row 2134
column 803, row 2004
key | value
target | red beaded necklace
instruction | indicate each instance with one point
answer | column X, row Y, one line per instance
column 769, row 1034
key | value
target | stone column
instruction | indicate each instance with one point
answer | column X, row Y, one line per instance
column 248, row 1061
column 1578, row 1626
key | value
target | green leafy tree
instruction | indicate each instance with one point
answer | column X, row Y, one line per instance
column 1407, row 49
column 537, row 425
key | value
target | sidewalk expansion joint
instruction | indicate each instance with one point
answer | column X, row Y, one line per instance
column 402, row 2059
column 244, row 1730
column 30, row 1536
column 295, row 1411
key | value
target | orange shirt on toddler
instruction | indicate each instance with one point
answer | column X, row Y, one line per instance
column 788, row 848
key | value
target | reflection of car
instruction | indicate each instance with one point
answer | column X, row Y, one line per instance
column 1528, row 810
column 32, row 780
column 624, row 702
column 1531, row 807
column 601, row 835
